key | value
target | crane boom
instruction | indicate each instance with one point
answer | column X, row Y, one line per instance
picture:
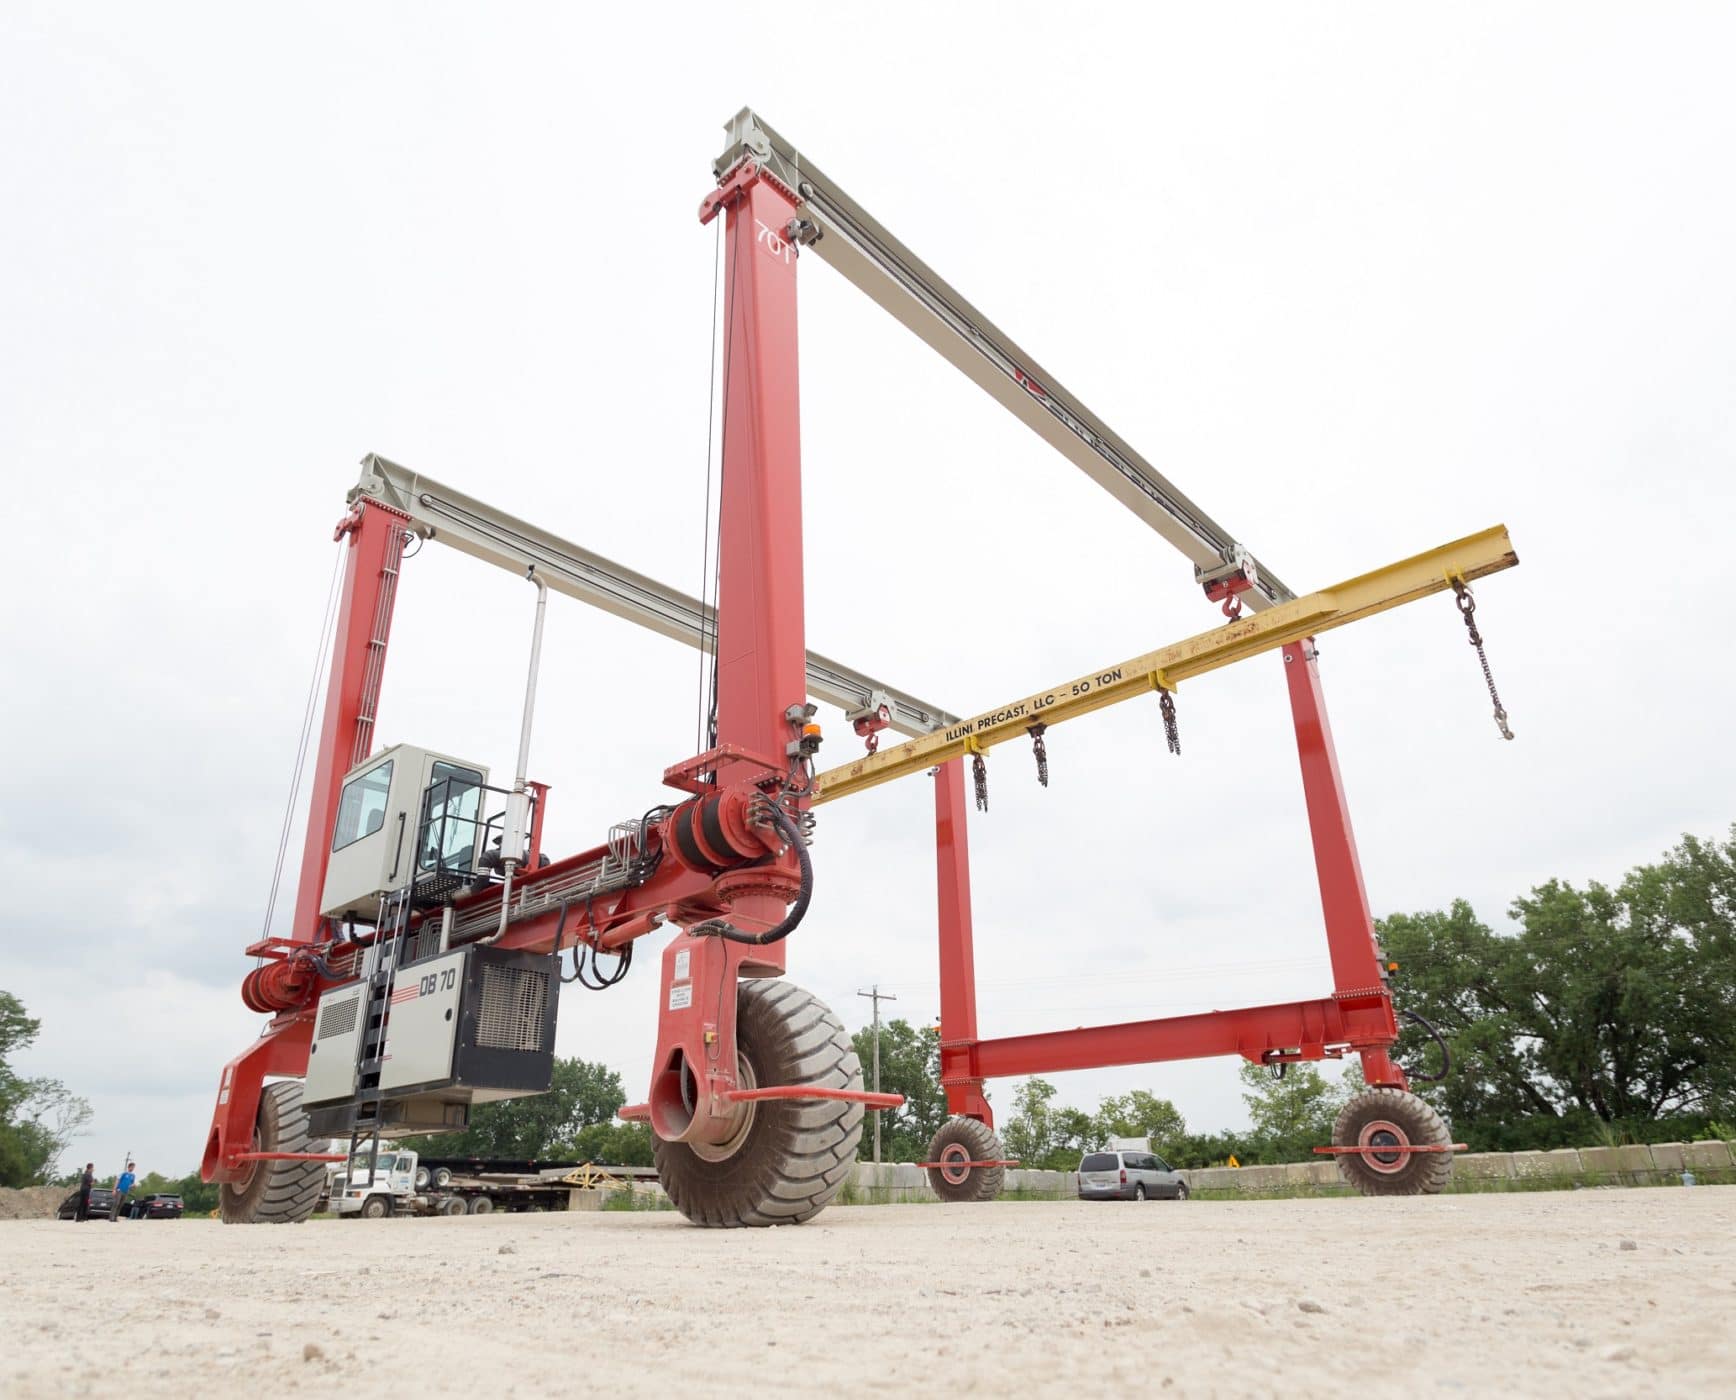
column 857, row 245
column 484, row 532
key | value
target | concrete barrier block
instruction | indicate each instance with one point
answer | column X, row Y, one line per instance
column 1484, row 1166
column 1564, row 1161
column 1213, row 1179
column 1537, row 1165
column 1668, row 1156
column 1634, row 1160
column 1042, row 1183
column 1254, row 1180
column 907, row 1176
column 1605, row 1161
column 1324, row 1173
column 1709, row 1155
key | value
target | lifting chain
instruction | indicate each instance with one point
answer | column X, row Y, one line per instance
column 979, row 773
column 1467, row 609
column 1166, row 703
column 1041, row 751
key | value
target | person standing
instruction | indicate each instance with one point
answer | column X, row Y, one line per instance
column 85, row 1182
column 123, row 1185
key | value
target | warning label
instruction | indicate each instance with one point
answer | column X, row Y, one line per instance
column 681, row 996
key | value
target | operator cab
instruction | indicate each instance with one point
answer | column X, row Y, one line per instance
column 407, row 816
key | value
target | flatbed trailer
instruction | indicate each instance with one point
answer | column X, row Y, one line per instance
column 403, row 1182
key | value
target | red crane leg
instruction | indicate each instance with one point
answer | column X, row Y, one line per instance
column 370, row 589
column 761, row 642
column 281, row 1051
column 375, row 535
column 958, row 1018
column 1356, row 969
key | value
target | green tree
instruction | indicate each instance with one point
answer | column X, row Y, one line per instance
column 618, row 1144
column 1141, row 1114
column 1292, row 1113
column 1040, row 1134
column 1609, row 1010
column 537, row 1126
column 38, row 1117
column 909, row 1065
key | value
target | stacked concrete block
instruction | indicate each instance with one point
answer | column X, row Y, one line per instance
column 1668, row 1156
column 1534, row 1166
column 1708, row 1156
column 1484, row 1166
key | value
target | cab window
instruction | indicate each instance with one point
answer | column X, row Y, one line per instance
column 451, row 818
column 362, row 807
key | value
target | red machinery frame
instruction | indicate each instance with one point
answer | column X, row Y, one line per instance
column 728, row 864
column 1358, row 1016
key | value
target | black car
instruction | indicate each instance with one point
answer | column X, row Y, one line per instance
column 159, row 1205
column 102, row 1204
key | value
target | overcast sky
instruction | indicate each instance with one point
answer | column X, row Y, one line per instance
column 1360, row 280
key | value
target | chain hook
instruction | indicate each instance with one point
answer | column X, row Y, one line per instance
column 1040, row 750
column 1468, row 610
column 1166, row 703
column 1233, row 606
column 979, row 772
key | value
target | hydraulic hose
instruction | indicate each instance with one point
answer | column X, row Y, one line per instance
column 1440, row 1040
column 717, row 928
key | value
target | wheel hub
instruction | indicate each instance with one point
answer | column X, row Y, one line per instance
column 742, row 1118
column 242, row 1182
column 955, row 1168
column 1381, row 1133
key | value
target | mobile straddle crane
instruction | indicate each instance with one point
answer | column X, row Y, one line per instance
column 422, row 968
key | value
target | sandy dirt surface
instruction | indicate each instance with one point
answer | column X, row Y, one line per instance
column 1499, row 1294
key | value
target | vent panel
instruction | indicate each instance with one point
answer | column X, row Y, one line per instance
column 339, row 1017
column 514, row 1009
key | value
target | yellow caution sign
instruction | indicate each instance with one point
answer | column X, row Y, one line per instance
column 1233, row 1161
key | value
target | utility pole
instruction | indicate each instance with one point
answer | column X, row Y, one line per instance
column 877, row 996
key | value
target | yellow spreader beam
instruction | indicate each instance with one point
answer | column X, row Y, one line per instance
column 1164, row 669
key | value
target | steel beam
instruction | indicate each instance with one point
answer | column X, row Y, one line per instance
column 1364, row 596
column 480, row 530
column 862, row 249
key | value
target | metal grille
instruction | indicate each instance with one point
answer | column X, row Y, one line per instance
column 427, row 940
column 339, row 1017
column 514, row 1007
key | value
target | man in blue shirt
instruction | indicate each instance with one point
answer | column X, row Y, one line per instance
column 123, row 1184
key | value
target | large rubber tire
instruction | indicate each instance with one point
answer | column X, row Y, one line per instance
column 481, row 1205
column 375, row 1208
column 1393, row 1117
column 276, row 1193
column 795, row 1154
column 453, row 1205
column 968, row 1141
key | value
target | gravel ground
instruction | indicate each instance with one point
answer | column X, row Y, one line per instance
column 1583, row 1293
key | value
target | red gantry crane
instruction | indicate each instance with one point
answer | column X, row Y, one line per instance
column 431, row 933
